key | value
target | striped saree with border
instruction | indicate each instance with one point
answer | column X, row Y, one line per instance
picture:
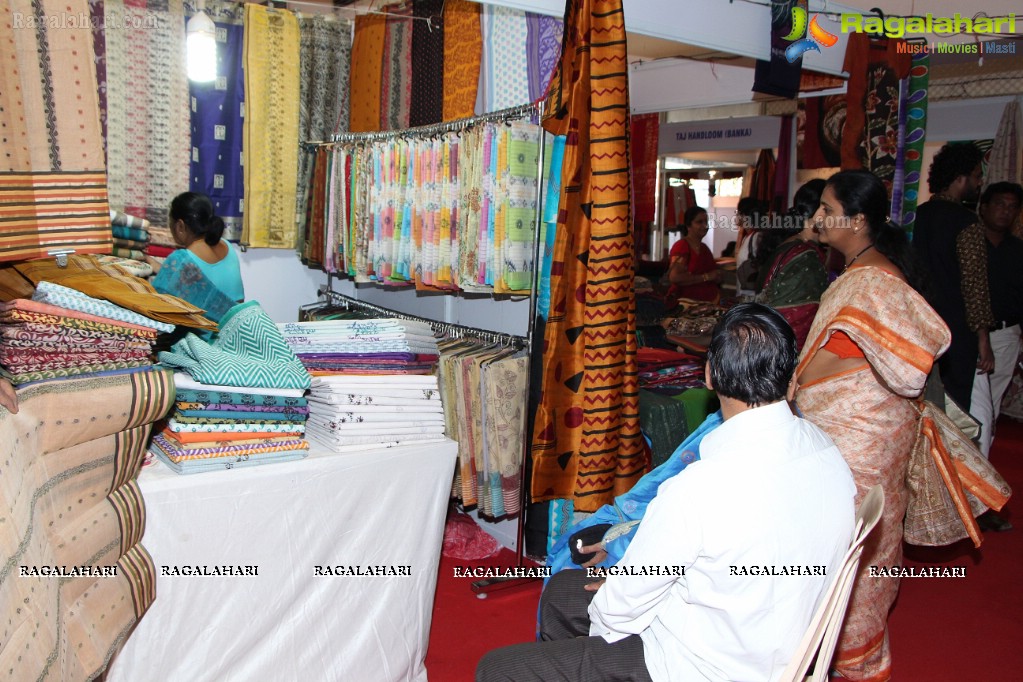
column 587, row 444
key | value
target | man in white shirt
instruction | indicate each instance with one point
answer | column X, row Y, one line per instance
column 733, row 554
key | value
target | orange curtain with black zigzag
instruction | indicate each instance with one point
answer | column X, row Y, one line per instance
column 587, row 444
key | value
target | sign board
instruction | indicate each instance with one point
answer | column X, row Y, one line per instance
column 730, row 134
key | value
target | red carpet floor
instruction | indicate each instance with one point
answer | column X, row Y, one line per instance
column 942, row 629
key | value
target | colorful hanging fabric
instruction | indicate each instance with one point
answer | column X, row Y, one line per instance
column 147, row 107
column 463, row 47
column 365, row 72
column 99, row 51
column 587, row 443
column 762, row 183
column 548, row 236
column 314, row 251
column 396, row 69
column 517, row 224
column 914, row 138
column 543, row 47
column 503, row 72
column 428, row 62
column 53, row 180
column 217, row 121
column 643, row 147
column 325, row 57
column 870, row 134
column 271, row 127
column 778, row 75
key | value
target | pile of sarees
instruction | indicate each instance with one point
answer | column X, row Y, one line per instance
column 240, row 399
column 61, row 333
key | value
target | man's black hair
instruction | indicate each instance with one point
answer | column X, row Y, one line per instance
column 752, row 355
column 951, row 161
column 996, row 188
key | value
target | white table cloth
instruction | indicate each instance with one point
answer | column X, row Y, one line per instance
column 375, row 508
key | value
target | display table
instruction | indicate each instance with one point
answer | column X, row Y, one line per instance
column 381, row 510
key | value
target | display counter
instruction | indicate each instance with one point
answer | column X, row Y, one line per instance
column 327, row 569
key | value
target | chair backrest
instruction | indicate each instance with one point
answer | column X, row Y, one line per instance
column 821, row 636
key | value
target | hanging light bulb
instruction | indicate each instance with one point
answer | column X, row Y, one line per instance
column 201, row 43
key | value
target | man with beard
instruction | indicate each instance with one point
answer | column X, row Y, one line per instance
column 954, row 179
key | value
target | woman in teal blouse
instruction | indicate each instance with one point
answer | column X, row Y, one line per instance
column 205, row 270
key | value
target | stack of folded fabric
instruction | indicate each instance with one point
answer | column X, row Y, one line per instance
column 373, row 346
column 64, row 333
column 659, row 367
column 223, row 427
column 131, row 235
column 239, row 399
column 350, row 413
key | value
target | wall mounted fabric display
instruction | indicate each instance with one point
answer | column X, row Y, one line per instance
column 913, row 130
column 428, row 63
column 326, row 50
column 70, row 498
column 396, row 69
column 452, row 212
column 463, row 48
column 217, row 124
column 147, row 107
column 504, row 80
column 271, row 127
column 543, row 48
column 484, row 396
column 366, row 68
column 53, row 181
column 587, row 444
column 870, row 136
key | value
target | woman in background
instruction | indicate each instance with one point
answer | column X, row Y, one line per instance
column 692, row 270
column 865, row 361
column 791, row 263
column 205, row 270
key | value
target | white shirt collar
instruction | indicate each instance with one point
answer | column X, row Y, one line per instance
column 746, row 424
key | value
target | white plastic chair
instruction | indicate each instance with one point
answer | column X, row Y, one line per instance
column 822, row 635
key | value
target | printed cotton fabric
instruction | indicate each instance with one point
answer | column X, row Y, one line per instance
column 271, row 127
column 69, row 497
column 463, row 48
column 587, row 443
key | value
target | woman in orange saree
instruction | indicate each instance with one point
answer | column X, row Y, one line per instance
column 866, row 359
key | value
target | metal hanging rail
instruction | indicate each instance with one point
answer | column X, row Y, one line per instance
column 502, row 116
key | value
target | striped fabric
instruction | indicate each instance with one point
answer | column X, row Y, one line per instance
column 71, row 299
column 587, row 443
column 44, row 211
column 249, row 352
column 71, row 499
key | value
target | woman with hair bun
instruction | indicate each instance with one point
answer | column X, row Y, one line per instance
column 204, row 271
column 866, row 359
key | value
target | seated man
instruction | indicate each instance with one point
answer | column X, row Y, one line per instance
column 732, row 555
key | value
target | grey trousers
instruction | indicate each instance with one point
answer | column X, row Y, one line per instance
column 566, row 653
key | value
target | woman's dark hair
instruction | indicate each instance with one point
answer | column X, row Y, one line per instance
column 752, row 354
column 689, row 216
column 804, row 205
column 861, row 191
column 953, row 160
column 196, row 211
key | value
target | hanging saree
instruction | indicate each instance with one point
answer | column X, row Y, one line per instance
column 504, row 80
column 271, row 127
column 365, row 70
column 587, row 443
column 53, row 179
column 396, row 69
column 874, row 424
column 428, row 36
column 543, row 47
column 147, row 107
column 70, row 501
column 463, row 46
column 914, row 131
column 217, row 123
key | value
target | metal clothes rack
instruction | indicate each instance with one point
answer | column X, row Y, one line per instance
column 480, row 587
column 460, row 125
